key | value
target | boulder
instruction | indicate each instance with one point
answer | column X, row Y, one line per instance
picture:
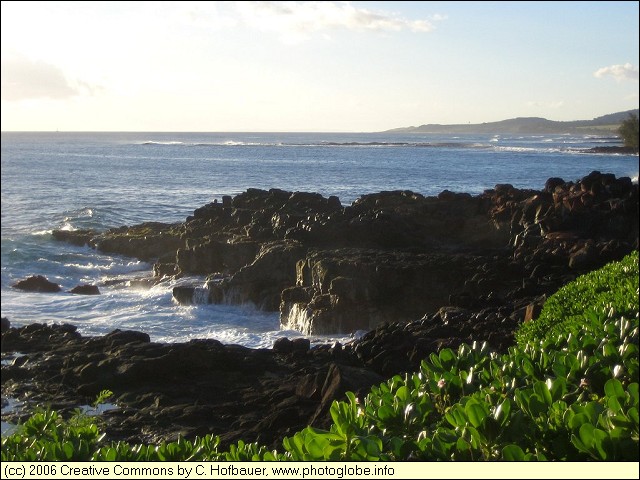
column 37, row 283
column 85, row 290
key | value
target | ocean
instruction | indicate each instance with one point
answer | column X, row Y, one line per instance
column 73, row 181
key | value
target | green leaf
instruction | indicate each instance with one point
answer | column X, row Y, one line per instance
column 614, row 404
column 315, row 446
column 67, row 450
column 536, row 405
column 527, row 367
column 502, row 412
column 593, row 438
column 593, row 409
column 559, row 367
column 633, row 391
column 558, row 389
column 435, row 360
column 447, row 358
column 613, row 388
column 333, row 452
column 456, row 416
column 609, row 350
column 462, row 445
column 512, row 453
column 542, row 390
column 385, row 412
column 373, row 447
column 475, row 413
column 632, row 413
column 403, row 393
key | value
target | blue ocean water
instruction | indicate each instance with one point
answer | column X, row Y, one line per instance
column 103, row 180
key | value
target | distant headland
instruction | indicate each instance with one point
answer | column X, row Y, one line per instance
column 606, row 124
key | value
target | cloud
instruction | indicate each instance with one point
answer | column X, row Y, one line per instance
column 301, row 19
column 24, row 79
column 619, row 72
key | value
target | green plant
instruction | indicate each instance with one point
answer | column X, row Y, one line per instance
column 609, row 291
column 628, row 130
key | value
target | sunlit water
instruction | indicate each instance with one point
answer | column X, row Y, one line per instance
column 103, row 180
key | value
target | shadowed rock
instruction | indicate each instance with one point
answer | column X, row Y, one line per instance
column 85, row 290
column 390, row 256
column 37, row 283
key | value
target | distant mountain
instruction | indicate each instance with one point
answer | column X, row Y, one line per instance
column 606, row 124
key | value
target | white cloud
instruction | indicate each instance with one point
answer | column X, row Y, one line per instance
column 619, row 72
column 298, row 20
column 26, row 79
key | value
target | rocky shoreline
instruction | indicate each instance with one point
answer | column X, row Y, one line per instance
column 614, row 149
column 418, row 273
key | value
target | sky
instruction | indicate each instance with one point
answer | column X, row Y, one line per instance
column 312, row 66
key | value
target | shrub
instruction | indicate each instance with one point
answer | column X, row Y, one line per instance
column 628, row 130
column 612, row 289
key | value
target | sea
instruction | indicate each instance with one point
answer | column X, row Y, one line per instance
column 69, row 181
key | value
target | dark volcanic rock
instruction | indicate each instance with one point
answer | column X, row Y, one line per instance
column 37, row 283
column 184, row 294
column 75, row 237
column 85, row 290
column 347, row 290
column 263, row 281
column 390, row 256
column 614, row 149
column 192, row 388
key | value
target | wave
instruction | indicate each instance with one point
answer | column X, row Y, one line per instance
column 39, row 233
column 113, row 268
column 231, row 143
column 528, row 149
column 226, row 143
column 541, row 144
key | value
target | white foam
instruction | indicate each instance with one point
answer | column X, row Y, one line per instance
column 112, row 268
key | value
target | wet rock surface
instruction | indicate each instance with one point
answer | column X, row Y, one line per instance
column 390, row 256
column 37, row 283
column 418, row 273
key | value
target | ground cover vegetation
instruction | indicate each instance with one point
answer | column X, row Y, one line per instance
column 568, row 390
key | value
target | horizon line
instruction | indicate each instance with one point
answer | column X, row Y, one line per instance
column 389, row 130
